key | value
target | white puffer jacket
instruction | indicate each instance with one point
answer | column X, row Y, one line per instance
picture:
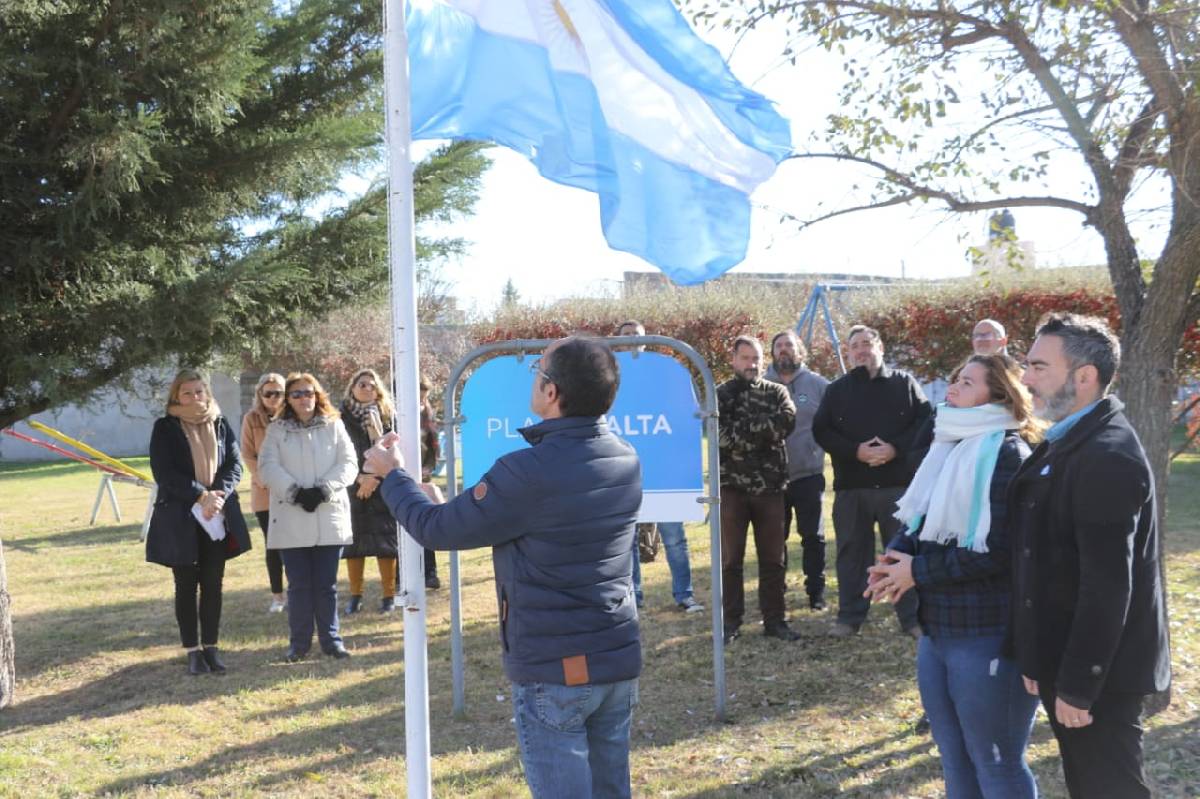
column 295, row 455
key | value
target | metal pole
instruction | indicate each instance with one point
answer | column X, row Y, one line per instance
column 457, row 661
column 404, row 375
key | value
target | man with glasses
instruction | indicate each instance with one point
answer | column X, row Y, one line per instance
column 559, row 517
column 989, row 338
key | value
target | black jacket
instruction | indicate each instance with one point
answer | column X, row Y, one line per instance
column 375, row 532
column 171, row 540
column 1088, row 611
column 856, row 408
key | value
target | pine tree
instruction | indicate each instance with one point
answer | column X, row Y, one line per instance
column 166, row 169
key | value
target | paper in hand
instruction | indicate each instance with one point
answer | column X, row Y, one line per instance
column 215, row 527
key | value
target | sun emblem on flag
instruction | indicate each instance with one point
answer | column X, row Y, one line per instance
column 561, row 37
column 565, row 19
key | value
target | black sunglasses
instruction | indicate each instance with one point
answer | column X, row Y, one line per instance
column 303, row 393
column 272, row 394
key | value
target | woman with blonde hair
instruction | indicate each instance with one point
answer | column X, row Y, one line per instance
column 196, row 524
column 955, row 551
column 268, row 400
column 367, row 413
column 307, row 461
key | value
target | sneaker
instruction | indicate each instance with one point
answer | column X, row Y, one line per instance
column 731, row 634
column 840, row 630
column 816, row 603
column 388, row 604
column 354, row 605
column 277, row 606
column 432, row 582
column 690, row 605
column 781, row 631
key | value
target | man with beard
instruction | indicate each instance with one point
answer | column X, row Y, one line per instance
column 806, row 460
column 1089, row 628
column 756, row 417
column 870, row 421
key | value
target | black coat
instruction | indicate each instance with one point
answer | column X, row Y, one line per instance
column 1088, row 610
column 856, row 408
column 171, row 540
column 375, row 532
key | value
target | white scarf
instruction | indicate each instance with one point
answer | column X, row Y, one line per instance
column 950, row 491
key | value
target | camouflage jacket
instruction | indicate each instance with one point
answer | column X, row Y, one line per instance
column 754, row 422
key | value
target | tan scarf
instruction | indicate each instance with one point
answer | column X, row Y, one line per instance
column 201, row 437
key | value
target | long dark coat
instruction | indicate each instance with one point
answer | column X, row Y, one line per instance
column 1088, row 611
column 375, row 534
column 171, row 540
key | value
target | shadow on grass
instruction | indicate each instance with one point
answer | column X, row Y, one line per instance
column 827, row 774
column 100, row 535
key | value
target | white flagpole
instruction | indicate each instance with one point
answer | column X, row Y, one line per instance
column 405, row 379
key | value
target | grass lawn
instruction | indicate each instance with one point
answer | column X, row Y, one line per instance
column 104, row 706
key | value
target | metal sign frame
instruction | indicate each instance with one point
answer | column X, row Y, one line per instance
column 452, row 420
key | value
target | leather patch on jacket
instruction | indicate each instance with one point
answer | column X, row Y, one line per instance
column 479, row 491
column 575, row 670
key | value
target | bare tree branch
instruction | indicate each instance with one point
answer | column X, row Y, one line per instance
column 953, row 202
column 1129, row 157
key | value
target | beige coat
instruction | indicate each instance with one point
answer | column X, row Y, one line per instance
column 254, row 430
column 294, row 456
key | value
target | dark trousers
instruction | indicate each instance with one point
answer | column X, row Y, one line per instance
column 206, row 574
column 1104, row 759
column 856, row 512
column 274, row 560
column 802, row 501
column 430, row 563
column 738, row 511
column 312, row 596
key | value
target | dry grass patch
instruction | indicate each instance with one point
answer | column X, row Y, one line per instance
column 105, row 706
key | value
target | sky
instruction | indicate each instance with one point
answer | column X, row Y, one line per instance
column 546, row 238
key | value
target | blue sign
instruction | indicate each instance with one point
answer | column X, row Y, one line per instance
column 655, row 411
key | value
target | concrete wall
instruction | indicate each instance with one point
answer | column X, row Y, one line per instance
column 116, row 422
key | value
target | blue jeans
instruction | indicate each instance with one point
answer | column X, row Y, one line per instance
column 980, row 716
column 675, row 543
column 574, row 739
column 312, row 595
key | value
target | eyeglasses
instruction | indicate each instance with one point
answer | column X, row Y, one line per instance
column 304, row 393
column 535, row 368
column 366, row 386
column 272, row 394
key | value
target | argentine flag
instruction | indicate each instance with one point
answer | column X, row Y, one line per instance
column 619, row 97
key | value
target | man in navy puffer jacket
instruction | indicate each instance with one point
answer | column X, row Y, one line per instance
column 560, row 518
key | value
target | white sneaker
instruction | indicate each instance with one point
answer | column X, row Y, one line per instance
column 276, row 606
column 690, row 605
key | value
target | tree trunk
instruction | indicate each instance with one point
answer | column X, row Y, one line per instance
column 8, row 661
column 1148, row 379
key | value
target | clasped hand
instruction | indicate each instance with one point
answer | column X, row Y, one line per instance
column 310, row 498
column 888, row 579
column 211, row 503
column 876, row 452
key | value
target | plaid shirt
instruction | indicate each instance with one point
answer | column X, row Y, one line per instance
column 962, row 592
